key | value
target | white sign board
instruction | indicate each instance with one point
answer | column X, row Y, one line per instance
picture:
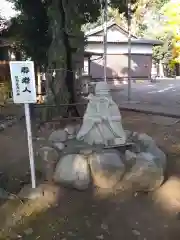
column 23, row 81
column 24, row 91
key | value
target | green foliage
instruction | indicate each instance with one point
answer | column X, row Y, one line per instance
column 164, row 52
column 171, row 11
column 49, row 31
column 30, row 29
column 148, row 17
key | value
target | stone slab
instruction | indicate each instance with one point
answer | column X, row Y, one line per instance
column 27, row 192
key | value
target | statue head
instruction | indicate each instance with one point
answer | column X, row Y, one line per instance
column 102, row 88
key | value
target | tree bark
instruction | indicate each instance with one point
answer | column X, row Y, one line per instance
column 69, row 78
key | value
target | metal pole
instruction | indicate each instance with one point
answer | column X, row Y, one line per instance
column 105, row 9
column 129, row 49
column 30, row 144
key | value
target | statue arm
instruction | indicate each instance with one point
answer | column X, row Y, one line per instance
column 115, row 112
column 91, row 113
column 116, row 118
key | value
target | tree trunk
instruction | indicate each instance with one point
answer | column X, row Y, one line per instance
column 69, row 78
column 60, row 58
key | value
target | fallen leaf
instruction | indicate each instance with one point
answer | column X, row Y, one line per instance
column 28, row 231
column 136, row 232
column 104, row 226
column 100, row 237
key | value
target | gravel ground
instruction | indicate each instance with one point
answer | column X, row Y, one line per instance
column 93, row 214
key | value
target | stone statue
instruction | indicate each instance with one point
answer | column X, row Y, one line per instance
column 102, row 119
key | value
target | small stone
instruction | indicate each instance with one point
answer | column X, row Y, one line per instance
column 70, row 129
column 60, row 146
column 107, row 168
column 58, row 136
column 104, row 226
column 3, row 125
column 73, row 170
column 70, row 137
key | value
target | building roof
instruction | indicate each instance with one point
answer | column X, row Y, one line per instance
column 133, row 41
column 96, row 35
column 110, row 24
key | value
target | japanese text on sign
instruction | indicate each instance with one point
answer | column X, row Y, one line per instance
column 23, row 81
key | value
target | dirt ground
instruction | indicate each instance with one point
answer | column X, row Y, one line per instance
column 93, row 214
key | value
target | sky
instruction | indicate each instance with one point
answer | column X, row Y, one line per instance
column 6, row 9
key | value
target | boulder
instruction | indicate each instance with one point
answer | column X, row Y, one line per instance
column 145, row 174
column 160, row 156
column 145, row 139
column 107, row 168
column 58, row 136
column 48, row 154
column 147, row 144
column 77, row 128
column 73, row 170
column 130, row 158
column 47, row 158
column 128, row 134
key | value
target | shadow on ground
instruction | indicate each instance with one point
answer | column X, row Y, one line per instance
column 95, row 214
column 91, row 215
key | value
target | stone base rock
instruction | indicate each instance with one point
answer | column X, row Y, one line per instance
column 70, row 129
column 147, row 144
column 139, row 163
column 49, row 192
column 5, row 195
column 58, row 136
column 46, row 160
column 59, row 146
column 107, row 168
column 27, row 192
column 130, row 158
column 145, row 174
column 73, row 170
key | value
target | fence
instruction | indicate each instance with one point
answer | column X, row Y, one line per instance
column 49, row 113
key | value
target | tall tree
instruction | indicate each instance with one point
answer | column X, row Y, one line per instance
column 49, row 31
column 171, row 12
